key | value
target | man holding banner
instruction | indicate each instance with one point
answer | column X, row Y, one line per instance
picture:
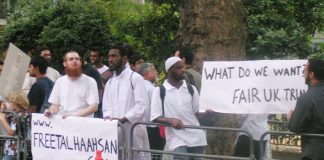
column 308, row 116
column 178, row 108
column 75, row 93
column 125, row 99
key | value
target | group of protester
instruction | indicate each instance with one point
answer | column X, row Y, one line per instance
column 125, row 90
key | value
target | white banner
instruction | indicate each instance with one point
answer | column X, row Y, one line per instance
column 266, row 86
column 73, row 138
column 14, row 70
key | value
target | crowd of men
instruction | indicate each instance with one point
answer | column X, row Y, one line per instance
column 125, row 90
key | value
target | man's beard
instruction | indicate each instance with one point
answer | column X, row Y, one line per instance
column 307, row 80
column 73, row 72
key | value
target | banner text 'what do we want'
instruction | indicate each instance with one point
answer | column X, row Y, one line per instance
column 268, row 86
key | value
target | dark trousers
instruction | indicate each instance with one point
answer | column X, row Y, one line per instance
column 156, row 141
column 242, row 147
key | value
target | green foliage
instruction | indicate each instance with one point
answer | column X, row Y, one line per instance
column 276, row 28
column 57, row 25
column 282, row 28
column 151, row 33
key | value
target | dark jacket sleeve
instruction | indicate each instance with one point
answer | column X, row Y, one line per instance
column 301, row 115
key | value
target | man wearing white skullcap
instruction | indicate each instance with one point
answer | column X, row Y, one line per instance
column 179, row 109
column 170, row 62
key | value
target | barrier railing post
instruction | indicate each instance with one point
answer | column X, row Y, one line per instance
column 130, row 149
column 262, row 156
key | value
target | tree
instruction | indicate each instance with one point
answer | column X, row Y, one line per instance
column 236, row 29
column 58, row 26
column 150, row 30
column 215, row 30
column 282, row 28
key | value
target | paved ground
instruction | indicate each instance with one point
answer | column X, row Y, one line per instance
column 285, row 155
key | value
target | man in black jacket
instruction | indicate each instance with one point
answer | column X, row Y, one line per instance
column 308, row 116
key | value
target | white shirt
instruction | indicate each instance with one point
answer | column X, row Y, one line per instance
column 52, row 74
column 120, row 99
column 75, row 95
column 149, row 89
column 256, row 125
column 28, row 82
column 178, row 103
column 102, row 69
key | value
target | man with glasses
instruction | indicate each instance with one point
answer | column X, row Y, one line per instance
column 76, row 94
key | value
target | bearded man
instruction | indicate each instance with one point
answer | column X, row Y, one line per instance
column 125, row 99
column 74, row 94
column 308, row 116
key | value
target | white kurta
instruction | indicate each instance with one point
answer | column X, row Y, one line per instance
column 52, row 74
column 178, row 103
column 149, row 89
column 74, row 95
column 120, row 99
column 256, row 125
column 102, row 69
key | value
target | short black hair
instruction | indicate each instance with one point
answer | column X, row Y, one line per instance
column 79, row 49
column 135, row 58
column 40, row 62
column 187, row 54
column 39, row 49
column 1, row 63
column 129, row 49
column 317, row 66
column 99, row 50
column 121, row 48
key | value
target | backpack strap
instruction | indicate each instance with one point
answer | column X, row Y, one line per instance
column 190, row 88
column 162, row 96
column 190, row 79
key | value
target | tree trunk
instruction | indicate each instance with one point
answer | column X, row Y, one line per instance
column 214, row 30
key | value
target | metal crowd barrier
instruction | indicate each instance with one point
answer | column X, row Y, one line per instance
column 11, row 141
column 131, row 149
column 262, row 156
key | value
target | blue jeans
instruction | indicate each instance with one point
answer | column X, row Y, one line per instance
column 8, row 157
column 185, row 149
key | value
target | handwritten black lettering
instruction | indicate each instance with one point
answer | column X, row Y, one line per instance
column 261, row 72
column 244, row 72
column 61, row 142
column 292, row 94
column 219, row 73
column 292, row 71
column 246, row 96
column 42, row 123
column 271, row 95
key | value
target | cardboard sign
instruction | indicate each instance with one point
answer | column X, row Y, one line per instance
column 14, row 71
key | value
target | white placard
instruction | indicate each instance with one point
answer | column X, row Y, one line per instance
column 14, row 71
column 265, row 86
column 73, row 138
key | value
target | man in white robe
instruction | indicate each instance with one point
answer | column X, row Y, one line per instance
column 125, row 99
